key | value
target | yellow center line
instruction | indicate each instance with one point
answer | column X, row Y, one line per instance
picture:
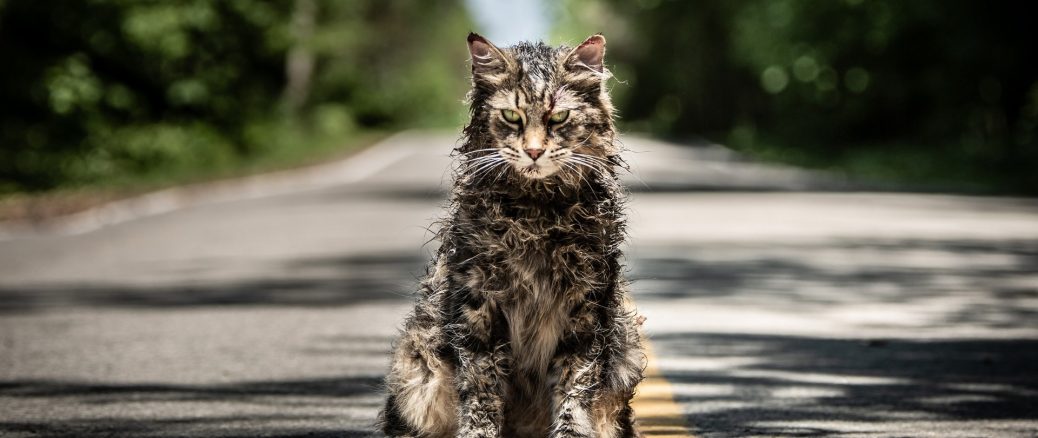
column 658, row 415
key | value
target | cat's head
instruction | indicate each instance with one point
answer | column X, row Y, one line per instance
column 539, row 112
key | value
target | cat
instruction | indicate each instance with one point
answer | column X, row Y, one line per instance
column 522, row 326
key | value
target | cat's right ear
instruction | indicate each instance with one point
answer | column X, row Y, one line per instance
column 488, row 62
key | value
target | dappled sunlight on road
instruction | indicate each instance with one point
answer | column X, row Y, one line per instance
column 779, row 314
column 771, row 313
column 882, row 285
column 288, row 382
column 847, row 383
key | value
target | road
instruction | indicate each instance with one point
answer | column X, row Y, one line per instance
column 779, row 303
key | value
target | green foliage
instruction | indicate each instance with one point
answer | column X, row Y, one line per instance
column 98, row 91
column 399, row 62
column 925, row 91
column 673, row 62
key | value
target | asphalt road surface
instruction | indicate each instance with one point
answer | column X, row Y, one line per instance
column 779, row 303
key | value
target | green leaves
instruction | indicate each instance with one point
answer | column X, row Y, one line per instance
column 103, row 90
column 71, row 86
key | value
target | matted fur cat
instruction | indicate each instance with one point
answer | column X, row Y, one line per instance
column 521, row 328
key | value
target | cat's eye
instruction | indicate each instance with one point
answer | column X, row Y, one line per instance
column 510, row 116
column 559, row 117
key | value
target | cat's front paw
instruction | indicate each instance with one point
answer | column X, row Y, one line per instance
column 475, row 431
column 571, row 434
column 573, row 429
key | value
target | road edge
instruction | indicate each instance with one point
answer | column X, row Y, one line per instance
column 351, row 168
column 657, row 413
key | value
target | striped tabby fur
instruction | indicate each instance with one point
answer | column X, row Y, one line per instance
column 522, row 326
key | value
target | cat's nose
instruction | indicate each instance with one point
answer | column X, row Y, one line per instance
column 534, row 153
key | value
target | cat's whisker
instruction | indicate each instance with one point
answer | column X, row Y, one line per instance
column 488, row 165
column 500, row 174
column 478, row 161
column 598, row 168
column 475, row 174
column 485, row 167
column 612, row 163
column 581, row 143
column 489, row 157
column 479, row 166
column 590, row 164
column 490, row 170
column 477, row 151
column 572, row 169
column 481, row 160
column 593, row 157
column 580, row 175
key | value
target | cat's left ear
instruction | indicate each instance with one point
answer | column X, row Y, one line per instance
column 487, row 59
column 589, row 54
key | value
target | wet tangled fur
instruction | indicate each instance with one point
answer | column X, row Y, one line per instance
column 522, row 326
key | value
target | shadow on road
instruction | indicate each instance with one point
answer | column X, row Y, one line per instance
column 849, row 381
column 942, row 283
column 178, row 428
column 796, row 386
column 338, row 405
column 246, row 391
column 733, row 384
column 328, row 281
column 987, row 280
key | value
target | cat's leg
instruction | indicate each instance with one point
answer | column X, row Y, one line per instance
column 612, row 416
column 481, row 381
column 624, row 368
column 594, row 378
column 575, row 375
column 421, row 399
column 482, row 364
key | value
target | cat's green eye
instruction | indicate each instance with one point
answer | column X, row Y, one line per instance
column 511, row 116
column 559, row 117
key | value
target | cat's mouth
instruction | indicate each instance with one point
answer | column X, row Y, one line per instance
column 536, row 171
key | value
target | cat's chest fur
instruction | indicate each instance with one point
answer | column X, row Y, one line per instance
column 536, row 315
column 536, row 264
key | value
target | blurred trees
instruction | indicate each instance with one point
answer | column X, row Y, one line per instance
column 924, row 91
column 98, row 90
